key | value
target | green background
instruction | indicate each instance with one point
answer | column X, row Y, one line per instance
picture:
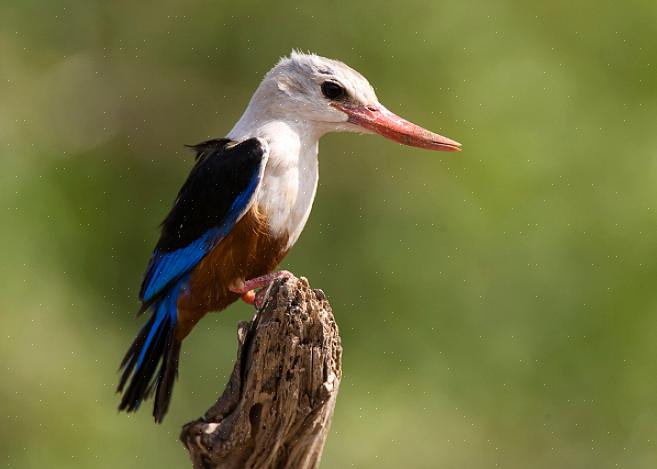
column 497, row 308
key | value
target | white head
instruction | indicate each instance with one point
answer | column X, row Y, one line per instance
column 330, row 96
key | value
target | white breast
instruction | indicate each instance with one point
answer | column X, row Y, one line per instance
column 289, row 183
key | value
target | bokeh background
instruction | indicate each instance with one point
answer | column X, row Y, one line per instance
column 498, row 308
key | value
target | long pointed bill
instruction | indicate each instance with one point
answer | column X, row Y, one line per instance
column 383, row 122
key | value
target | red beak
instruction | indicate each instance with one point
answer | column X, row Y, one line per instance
column 383, row 122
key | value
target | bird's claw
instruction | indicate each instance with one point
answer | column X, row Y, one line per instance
column 249, row 297
column 255, row 290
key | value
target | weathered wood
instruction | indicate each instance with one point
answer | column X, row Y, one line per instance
column 277, row 406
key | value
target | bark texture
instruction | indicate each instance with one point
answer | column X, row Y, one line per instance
column 277, row 406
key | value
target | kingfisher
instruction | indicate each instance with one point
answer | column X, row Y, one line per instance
column 243, row 206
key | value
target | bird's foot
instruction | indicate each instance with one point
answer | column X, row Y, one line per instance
column 261, row 284
column 249, row 297
column 255, row 298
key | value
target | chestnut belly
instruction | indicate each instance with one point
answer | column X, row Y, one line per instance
column 248, row 251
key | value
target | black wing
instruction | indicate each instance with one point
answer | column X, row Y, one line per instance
column 218, row 191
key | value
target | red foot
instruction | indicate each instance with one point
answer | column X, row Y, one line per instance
column 249, row 297
column 262, row 284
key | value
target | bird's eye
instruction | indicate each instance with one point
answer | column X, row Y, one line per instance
column 332, row 90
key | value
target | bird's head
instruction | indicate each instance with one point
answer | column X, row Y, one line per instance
column 330, row 96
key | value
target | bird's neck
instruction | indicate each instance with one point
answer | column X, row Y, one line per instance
column 290, row 141
column 262, row 123
column 290, row 181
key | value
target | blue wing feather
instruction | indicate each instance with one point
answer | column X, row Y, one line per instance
column 165, row 267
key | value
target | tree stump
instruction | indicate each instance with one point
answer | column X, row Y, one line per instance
column 277, row 406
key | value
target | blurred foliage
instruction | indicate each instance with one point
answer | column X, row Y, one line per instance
column 497, row 308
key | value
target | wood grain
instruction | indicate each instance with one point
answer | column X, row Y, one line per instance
column 277, row 406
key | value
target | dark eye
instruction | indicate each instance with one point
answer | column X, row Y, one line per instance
column 332, row 90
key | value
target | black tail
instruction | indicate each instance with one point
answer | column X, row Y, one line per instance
column 155, row 346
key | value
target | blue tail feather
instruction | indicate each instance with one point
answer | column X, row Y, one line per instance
column 151, row 363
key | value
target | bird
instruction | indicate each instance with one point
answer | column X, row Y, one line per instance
column 243, row 206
